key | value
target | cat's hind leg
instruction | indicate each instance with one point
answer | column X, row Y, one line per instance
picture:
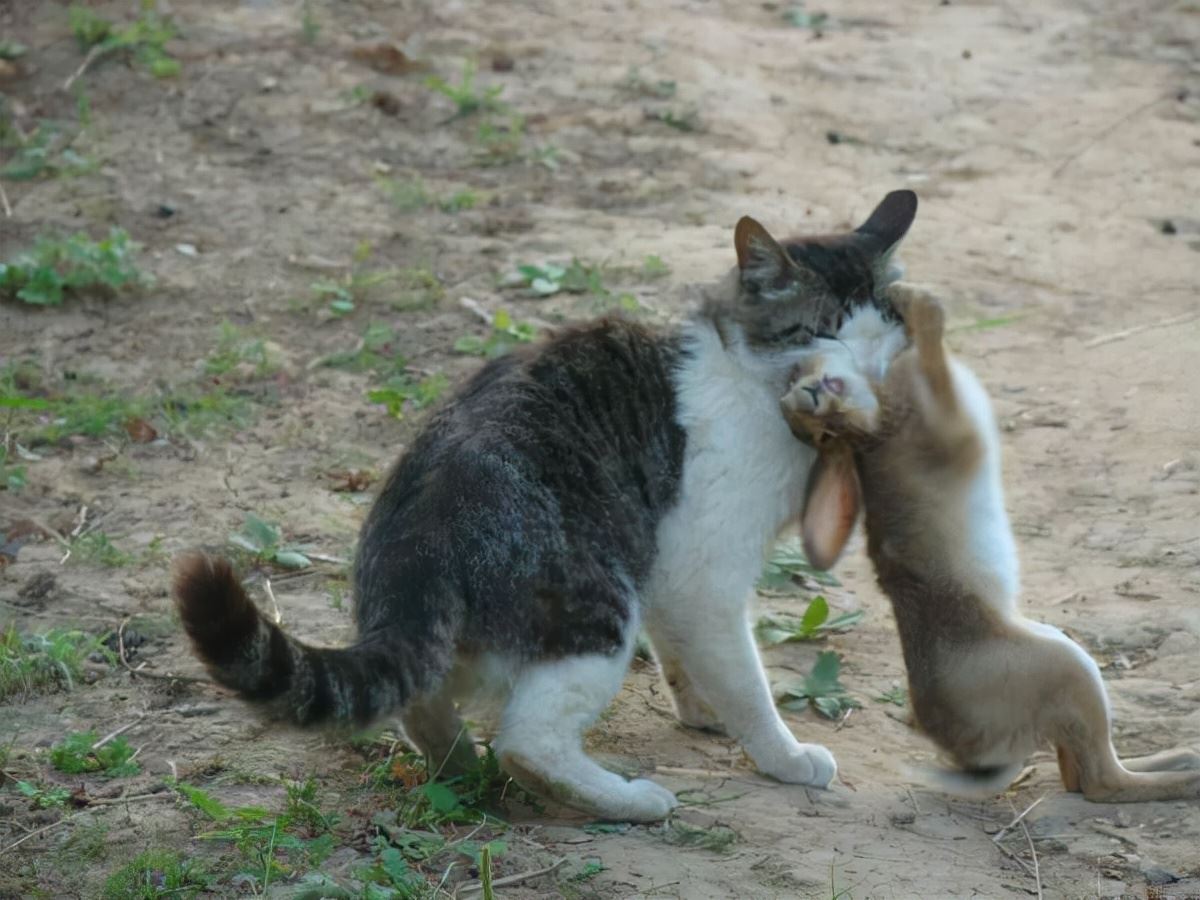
column 690, row 709
column 540, row 742
column 434, row 725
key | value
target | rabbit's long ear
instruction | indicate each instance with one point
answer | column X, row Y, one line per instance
column 831, row 504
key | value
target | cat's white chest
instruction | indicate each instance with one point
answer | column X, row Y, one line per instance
column 743, row 479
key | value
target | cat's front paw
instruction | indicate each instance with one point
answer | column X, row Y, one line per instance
column 647, row 802
column 809, row 764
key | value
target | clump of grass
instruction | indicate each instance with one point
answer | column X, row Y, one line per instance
column 716, row 838
column 404, row 392
column 12, row 477
column 235, row 350
column 467, row 97
column 144, row 39
column 639, row 85
column 76, row 264
column 45, row 152
column 822, row 689
column 506, row 333
column 273, row 846
column 412, row 195
column 787, row 568
column 43, row 796
column 813, row 624
column 34, row 662
column 77, row 754
column 154, row 874
column 343, row 295
column 263, row 540
column 96, row 547
column 686, row 118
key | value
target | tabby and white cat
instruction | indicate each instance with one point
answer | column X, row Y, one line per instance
column 611, row 478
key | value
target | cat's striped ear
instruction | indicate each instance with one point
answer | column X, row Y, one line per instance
column 767, row 271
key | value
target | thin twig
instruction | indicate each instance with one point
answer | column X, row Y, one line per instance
column 140, row 672
column 19, row 841
column 321, row 557
column 112, row 734
column 4, row 200
column 275, row 613
column 1003, row 831
column 1138, row 329
column 93, row 54
column 1037, row 871
column 916, row 806
column 514, row 879
column 136, row 798
column 1105, row 132
column 472, row 306
column 1020, row 862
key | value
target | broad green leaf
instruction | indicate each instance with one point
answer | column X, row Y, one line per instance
column 292, row 559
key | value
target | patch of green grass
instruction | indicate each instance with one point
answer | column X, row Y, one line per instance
column 506, row 334
column 403, row 392
column 76, row 755
column 547, row 279
column 263, row 540
column 716, row 838
column 822, row 689
column 76, row 264
column 235, row 349
column 273, row 846
column 45, row 152
column 96, row 547
column 417, row 287
column 813, row 624
column 143, row 39
column 343, row 295
column 468, row 98
column 12, row 478
column 412, row 195
column 154, row 874
column 34, row 662
column 653, row 267
column 500, row 142
column 798, row 17
column 41, row 797
column 310, row 29
column 638, row 84
column 897, row 695
column 685, row 118
column 787, row 567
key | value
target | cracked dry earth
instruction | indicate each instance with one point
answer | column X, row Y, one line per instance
column 1056, row 153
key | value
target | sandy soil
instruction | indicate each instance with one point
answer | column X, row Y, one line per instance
column 1051, row 144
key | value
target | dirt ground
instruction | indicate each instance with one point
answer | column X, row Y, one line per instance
column 1056, row 153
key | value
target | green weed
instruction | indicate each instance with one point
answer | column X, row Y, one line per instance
column 144, row 39
column 40, row 797
column 96, row 547
column 506, row 334
column 798, row 17
column 12, row 478
column 653, row 267
column 154, row 874
column 309, row 27
column 413, row 195
column 44, row 152
column 499, row 143
column 682, row 119
column 813, row 624
column 344, row 294
column 403, row 392
column 263, row 541
column 716, row 838
column 639, row 85
column 467, row 97
column 787, row 567
column 548, row 279
column 77, row 754
column 58, row 266
column 34, row 662
column 897, row 695
column 273, row 845
column 822, row 689
column 235, row 350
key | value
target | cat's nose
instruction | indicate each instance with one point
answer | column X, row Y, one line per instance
column 814, row 391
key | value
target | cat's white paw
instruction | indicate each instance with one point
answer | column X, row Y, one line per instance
column 647, row 801
column 809, row 764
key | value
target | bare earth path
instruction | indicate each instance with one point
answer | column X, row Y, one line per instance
column 1056, row 153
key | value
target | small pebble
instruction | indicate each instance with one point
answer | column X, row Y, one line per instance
column 1168, row 227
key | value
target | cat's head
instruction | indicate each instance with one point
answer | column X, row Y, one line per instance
column 788, row 292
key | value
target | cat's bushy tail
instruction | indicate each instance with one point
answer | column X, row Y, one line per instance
column 247, row 652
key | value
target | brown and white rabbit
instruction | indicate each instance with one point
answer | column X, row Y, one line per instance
column 920, row 451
